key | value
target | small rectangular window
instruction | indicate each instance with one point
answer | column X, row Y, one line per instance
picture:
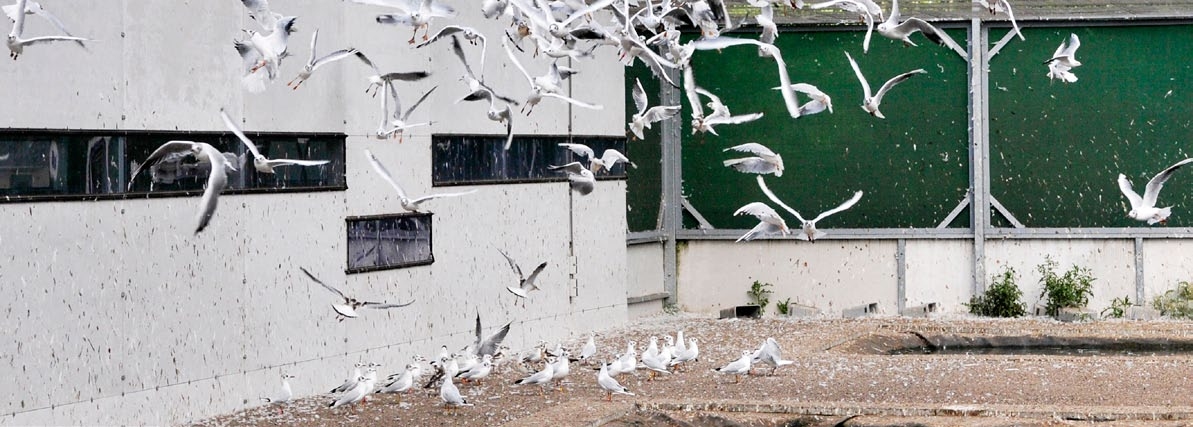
column 87, row 165
column 482, row 159
column 389, row 241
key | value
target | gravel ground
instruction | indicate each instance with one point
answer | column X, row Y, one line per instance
column 837, row 371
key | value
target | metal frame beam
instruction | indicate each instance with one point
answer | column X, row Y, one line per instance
column 978, row 151
column 672, row 188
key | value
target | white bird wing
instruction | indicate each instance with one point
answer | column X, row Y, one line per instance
column 404, row 5
column 377, row 166
column 612, row 156
column 573, row 168
column 170, row 147
column 773, row 198
column 936, row 35
column 409, row 111
column 382, row 305
column 734, row 120
column 660, row 113
column 580, row 150
column 574, row 101
column 320, row 282
column 517, row 64
column 1011, row 15
column 528, row 284
column 332, row 57
column 217, row 179
column 751, row 165
column 1152, row 192
column 848, row 204
column 513, row 265
column 314, row 41
column 718, row 43
column 434, row 8
column 490, row 344
column 18, row 21
column 236, row 131
column 693, row 93
column 440, row 196
column 1125, row 185
column 396, row 19
column 42, row 12
column 639, row 95
column 447, row 30
column 47, row 39
column 861, row 78
column 759, row 210
column 288, row 162
column 595, row 6
column 260, row 12
column 886, row 87
column 807, row 89
column 1071, row 47
column 753, row 148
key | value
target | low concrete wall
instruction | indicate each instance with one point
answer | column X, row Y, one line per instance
column 645, row 265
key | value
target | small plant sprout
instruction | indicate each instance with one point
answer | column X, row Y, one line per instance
column 760, row 293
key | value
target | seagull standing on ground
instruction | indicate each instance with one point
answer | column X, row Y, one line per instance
column 282, row 397
column 738, row 367
column 610, row 384
column 1144, row 208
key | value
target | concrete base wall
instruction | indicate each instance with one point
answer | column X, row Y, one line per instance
column 645, row 266
column 833, row 276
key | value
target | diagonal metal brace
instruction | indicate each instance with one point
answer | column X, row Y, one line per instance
column 957, row 210
column 704, row 224
column 1005, row 213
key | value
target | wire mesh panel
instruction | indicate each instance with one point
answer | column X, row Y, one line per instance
column 1056, row 149
column 913, row 166
column 645, row 183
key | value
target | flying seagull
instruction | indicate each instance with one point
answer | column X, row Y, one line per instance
column 893, row 29
column 607, row 160
column 347, row 310
column 314, row 63
column 870, row 102
column 647, row 116
column 217, row 179
column 581, row 179
column 260, row 162
column 415, row 13
column 1064, row 60
column 864, row 10
column 16, row 44
column 35, row 8
column 820, row 100
column 409, row 204
column 473, row 36
column 764, row 161
column 547, row 85
column 1144, row 208
column 809, row 232
column 525, row 283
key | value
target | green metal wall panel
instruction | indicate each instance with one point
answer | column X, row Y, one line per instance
column 645, row 183
column 913, row 166
column 1056, row 149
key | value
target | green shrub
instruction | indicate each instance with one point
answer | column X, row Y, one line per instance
column 1118, row 308
column 1176, row 302
column 760, row 293
column 1001, row 299
column 783, row 306
column 1073, row 289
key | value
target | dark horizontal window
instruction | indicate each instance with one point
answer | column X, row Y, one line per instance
column 482, row 159
column 389, row 241
column 69, row 165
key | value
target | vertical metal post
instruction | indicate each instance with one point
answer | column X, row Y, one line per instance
column 901, row 275
column 672, row 189
column 978, row 151
column 1139, row 271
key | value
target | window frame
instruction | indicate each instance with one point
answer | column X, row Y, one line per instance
column 167, row 135
column 349, row 269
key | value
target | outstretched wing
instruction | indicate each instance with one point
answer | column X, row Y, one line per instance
column 377, row 166
column 773, row 198
column 1125, row 186
column 758, row 210
column 848, row 204
column 1152, row 191
column 236, row 131
column 517, row 64
column 332, row 57
column 581, row 150
column 528, row 284
column 861, row 78
column 513, row 265
column 574, row 101
column 639, row 95
column 440, row 196
column 886, row 87
column 417, row 103
column 320, row 282
column 753, row 148
column 381, row 305
column 490, row 344
column 161, row 152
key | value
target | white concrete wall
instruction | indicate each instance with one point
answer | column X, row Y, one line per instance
column 939, row 271
column 1112, row 263
column 132, row 320
column 645, row 265
column 830, row 275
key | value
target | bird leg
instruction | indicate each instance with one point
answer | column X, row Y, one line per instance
column 412, row 36
column 609, row 395
column 426, row 31
column 736, row 378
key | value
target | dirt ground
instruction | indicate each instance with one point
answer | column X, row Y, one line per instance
column 839, row 370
